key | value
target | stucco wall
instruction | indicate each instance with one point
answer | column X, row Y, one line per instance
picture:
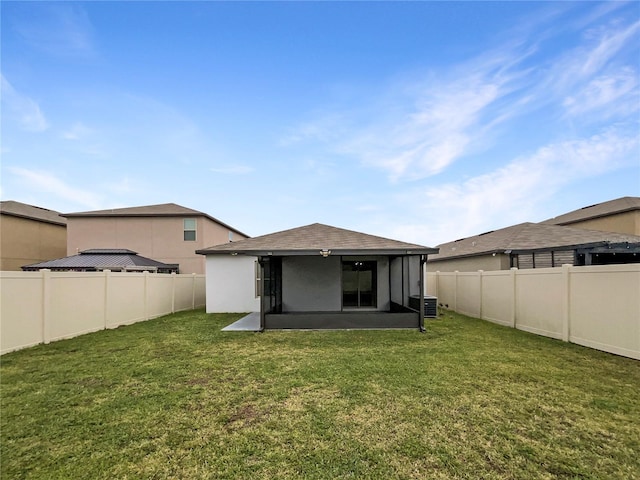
column 159, row 238
column 308, row 283
column 626, row 222
column 472, row 264
column 231, row 284
column 311, row 284
column 24, row 241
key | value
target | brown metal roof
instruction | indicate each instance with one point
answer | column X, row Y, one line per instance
column 160, row 210
column 102, row 259
column 619, row 205
column 311, row 239
column 527, row 236
column 23, row 210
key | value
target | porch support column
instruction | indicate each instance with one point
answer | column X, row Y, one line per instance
column 261, row 262
column 423, row 261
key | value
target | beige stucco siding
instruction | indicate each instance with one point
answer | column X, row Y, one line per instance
column 626, row 222
column 487, row 263
column 159, row 238
column 24, row 241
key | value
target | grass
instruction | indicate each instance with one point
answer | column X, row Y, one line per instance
column 176, row 398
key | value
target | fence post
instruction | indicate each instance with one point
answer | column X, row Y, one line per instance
column 107, row 286
column 193, row 291
column 455, row 291
column 46, row 305
column 437, row 289
column 146, row 294
column 480, row 272
column 513, row 272
column 566, row 302
column 173, row 292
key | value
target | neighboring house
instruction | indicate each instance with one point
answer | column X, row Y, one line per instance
column 318, row 276
column 30, row 234
column 621, row 215
column 167, row 232
column 535, row 245
column 99, row 259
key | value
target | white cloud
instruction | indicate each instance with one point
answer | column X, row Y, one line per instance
column 511, row 194
column 23, row 109
column 46, row 182
column 419, row 128
column 610, row 43
column 607, row 96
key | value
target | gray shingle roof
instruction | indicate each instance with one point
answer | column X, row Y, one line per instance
column 619, row 205
column 311, row 239
column 527, row 236
column 101, row 259
column 159, row 210
column 23, row 210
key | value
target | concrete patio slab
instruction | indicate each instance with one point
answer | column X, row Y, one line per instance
column 250, row 323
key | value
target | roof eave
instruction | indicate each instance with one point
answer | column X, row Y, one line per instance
column 553, row 220
column 468, row 255
column 35, row 219
column 315, row 252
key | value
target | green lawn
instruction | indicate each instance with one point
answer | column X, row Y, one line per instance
column 177, row 398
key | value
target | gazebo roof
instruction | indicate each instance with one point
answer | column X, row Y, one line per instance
column 103, row 259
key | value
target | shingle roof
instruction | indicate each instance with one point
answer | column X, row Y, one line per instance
column 527, row 236
column 159, row 210
column 101, row 258
column 23, row 210
column 619, row 205
column 311, row 239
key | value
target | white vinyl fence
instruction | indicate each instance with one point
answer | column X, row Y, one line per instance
column 44, row 306
column 594, row 306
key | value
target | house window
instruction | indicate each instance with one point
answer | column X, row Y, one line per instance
column 189, row 229
column 230, row 236
column 359, row 284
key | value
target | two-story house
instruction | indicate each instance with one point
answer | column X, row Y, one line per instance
column 30, row 234
column 167, row 232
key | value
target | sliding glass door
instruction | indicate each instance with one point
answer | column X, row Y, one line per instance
column 359, row 284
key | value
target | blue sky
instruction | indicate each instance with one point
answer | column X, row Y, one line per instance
column 421, row 121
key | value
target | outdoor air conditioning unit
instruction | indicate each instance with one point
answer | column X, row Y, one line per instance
column 430, row 305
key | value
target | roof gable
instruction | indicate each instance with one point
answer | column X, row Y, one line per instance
column 311, row 239
column 162, row 209
column 159, row 210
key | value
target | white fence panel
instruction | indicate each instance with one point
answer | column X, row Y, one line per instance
column 604, row 301
column 594, row 306
column 159, row 295
column 44, row 306
column 76, row 305
column 21, row 323
column 497, row 298
column 125, row 290
column 539, row 297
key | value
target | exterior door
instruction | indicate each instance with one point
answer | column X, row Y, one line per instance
column 359, row 284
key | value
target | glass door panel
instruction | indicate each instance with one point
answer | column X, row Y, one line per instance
column 359, row 285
